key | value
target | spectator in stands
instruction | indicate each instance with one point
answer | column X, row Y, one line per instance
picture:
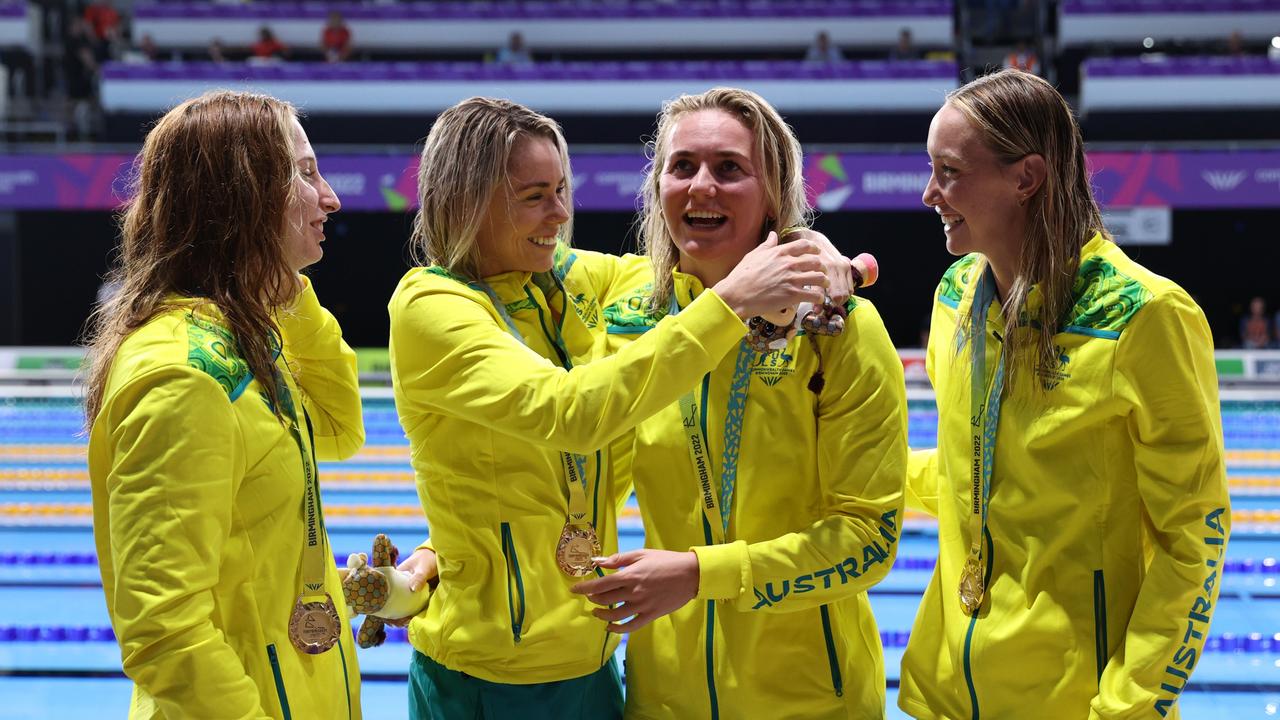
column 80, row 67
column 1256, row 330
column 1235, row 44
column 146, row 52
column 216, row 379
column 104, row 19
column 1022, row 58
column 905, row 49
column 822, row 51
column 1079, row 479
column 268, row 47
column 515, row 52
column 336, row 38
column 507, row 425
column 215, row 51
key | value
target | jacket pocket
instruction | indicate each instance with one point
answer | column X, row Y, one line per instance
column 275, row 672
column 1100, row 621
column 515, row 583
column 837, row 682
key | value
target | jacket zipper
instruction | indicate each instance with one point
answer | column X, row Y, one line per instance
column 275, row 671
column 837, row 682
column 973, row 621
column 1100, row 621
column 515, row 601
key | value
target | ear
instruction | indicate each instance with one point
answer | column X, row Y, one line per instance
column 1030, row 176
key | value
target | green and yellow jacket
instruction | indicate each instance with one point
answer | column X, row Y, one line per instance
column 488, row 417
column 781, row 626
column 198, row 515
column 1108, row 512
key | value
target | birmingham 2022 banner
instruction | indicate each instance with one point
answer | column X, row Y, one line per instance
column 611, row 181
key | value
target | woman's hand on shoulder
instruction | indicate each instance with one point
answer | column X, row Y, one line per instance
column 774, row 277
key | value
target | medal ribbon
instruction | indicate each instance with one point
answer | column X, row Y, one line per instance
column 574, row 464
column 717, row 510
column 984, row 406
column 313, row 539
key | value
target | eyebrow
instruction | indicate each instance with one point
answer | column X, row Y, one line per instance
column 538, row 184
column 718, row 153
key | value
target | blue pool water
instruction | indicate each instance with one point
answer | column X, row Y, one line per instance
column 57, row 658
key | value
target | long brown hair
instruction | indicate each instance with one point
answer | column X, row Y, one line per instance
column 464, row 162
column 1019, row 114
column 777, row 156
column 207, row 220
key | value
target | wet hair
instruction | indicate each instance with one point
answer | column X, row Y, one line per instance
column 777, row 157
column 211, row 189
column 464, row 162
column 1019, row 114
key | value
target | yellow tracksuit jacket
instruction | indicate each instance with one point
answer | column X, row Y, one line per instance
column 198, row 516
column 1108, row 513
column 781, row 626
column 487, row 419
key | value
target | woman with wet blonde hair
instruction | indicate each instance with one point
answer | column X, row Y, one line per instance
column 771, row 492
column 1078, row 479
column 508, row 425
column 216, row 381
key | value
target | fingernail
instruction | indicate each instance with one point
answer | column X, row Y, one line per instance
column 598, row 560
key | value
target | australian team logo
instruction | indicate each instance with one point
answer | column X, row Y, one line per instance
column 1052, row 377
column 772, row 367
column 587, row 308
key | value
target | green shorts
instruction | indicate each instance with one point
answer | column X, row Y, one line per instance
column 438, row 693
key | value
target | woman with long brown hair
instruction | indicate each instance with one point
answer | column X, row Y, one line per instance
column 1078, row 481
column 216, row 381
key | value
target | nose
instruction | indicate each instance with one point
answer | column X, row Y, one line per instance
column 703, row 183
column 329, row 201
column 932, row 195
column 559, row 210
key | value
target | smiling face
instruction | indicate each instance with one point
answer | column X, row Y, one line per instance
column 313, row 199
column 713, row 199
column 974, row 193
column 525, row 214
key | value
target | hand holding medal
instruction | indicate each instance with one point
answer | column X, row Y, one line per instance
column 649, row 584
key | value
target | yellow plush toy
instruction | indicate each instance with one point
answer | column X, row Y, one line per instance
column 373, row 587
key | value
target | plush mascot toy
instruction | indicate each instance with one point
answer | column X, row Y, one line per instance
column 373, row 587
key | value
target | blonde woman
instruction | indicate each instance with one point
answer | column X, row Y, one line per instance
column 216, row 381
column 771, row 492
column 507, row 425
column 1078, row 479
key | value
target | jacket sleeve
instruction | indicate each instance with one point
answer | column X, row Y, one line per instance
column 177, row 461
column 325, row 368
column 605, row 272
column 922, row 465
column 451, row 355
column 862, row 455
column 1165, row 371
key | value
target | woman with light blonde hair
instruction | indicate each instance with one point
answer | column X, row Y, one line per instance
column 771, row 492
column 216, row 381
column 1078, row 479
column 508, row 424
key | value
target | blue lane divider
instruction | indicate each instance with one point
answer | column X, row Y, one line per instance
column 1250, row 643
column 1241, row 566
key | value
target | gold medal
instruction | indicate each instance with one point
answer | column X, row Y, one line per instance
column 578, row 544
column 314, row 627
column 971, row 590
